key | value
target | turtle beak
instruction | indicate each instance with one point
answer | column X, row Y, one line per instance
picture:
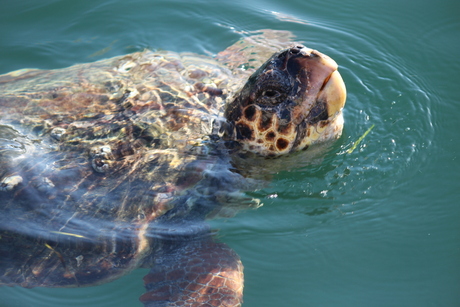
column 325, row 83
column 333, row 93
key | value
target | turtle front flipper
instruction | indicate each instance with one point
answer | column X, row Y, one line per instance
column 198, row 273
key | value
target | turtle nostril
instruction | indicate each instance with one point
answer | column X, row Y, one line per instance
column 295, row 50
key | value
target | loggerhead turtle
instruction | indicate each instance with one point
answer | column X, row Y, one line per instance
column 113, row 165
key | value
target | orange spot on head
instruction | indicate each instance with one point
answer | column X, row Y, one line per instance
column 265, row 122
column 250, row 112
column 270, row 136
column 282, row 144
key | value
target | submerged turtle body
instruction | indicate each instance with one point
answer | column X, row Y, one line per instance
column 112, row 165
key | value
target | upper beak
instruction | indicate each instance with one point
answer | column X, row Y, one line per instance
column 333, row 93
column 325, row 82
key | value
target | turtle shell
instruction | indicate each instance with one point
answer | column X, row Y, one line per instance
column 97, row 151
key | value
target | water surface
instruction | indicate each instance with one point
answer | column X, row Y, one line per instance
column 374, row 227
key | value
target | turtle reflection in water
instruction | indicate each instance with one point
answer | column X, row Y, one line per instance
column 114, row 165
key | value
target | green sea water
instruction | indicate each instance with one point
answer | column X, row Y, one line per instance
column 379, row 226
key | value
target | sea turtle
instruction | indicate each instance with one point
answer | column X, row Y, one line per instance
column 113, row 165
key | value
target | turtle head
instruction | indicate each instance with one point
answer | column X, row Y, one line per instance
column 292, row 101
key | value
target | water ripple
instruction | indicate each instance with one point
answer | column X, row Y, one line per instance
column 385, row 91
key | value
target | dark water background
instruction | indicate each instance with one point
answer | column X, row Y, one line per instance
column 377, row 227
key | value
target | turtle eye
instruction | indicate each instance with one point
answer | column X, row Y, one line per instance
column 271, row 93
column 271, row 96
